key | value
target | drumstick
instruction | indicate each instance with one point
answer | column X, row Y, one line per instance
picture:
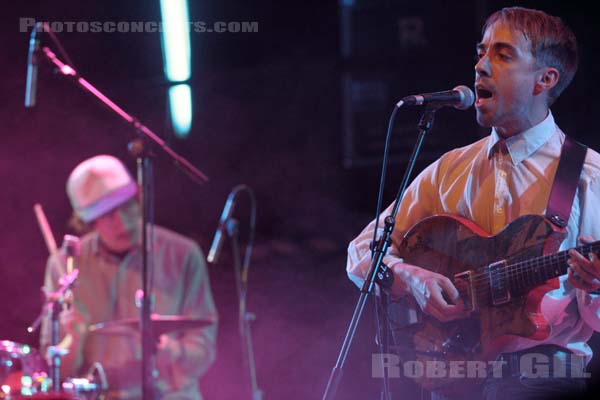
column 52, row 249
column 45, row 228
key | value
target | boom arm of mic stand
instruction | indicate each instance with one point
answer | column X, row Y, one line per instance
column 380, row 250
column 66, row 70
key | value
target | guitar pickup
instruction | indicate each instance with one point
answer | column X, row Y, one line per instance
column 464, row 284
column 498, row 282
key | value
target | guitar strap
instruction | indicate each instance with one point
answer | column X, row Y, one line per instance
column 565, row 183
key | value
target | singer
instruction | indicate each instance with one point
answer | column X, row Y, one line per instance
column 526, row 58
column 104, row 198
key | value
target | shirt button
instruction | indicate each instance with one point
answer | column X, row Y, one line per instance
column 503, row 174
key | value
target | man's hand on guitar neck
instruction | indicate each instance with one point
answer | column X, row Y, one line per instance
column 584, row 273
column 435, row 294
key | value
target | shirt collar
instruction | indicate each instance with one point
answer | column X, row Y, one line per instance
column 98, row 248
column 95, row 242
column 524, row 144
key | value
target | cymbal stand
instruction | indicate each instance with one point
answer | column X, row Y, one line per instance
column 54, row 305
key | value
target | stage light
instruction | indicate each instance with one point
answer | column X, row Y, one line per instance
column 177, row 63
column 176, row 40
column 180, row 102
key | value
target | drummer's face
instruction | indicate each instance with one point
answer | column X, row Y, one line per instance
column 119, row 229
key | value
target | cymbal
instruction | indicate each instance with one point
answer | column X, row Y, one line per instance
column 161, row 324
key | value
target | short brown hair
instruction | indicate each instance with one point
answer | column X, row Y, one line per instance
column 553, row 44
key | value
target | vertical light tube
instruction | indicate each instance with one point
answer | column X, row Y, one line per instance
column 180, row 100
column 177, row 62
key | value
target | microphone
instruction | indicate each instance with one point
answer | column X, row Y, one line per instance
column 32, row 69
column 460, row 97
column 217, row 244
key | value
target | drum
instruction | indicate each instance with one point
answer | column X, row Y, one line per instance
column 23, row 371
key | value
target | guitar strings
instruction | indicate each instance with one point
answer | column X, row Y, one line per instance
column 523, row 270
column 519, row 267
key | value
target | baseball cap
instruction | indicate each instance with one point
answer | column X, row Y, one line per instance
column 98, row 185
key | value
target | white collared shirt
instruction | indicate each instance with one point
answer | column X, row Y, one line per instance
column 493, row 188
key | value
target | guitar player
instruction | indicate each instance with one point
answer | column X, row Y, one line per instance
column 526, row 58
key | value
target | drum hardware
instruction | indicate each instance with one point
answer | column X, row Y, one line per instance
column 55, row 303
column 93, row 386
column 24, row 374
column 23, row 371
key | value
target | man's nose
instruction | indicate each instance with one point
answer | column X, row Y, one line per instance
column 126, row 218
column 482, row 67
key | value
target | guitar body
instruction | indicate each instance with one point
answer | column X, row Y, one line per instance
column 451, row 245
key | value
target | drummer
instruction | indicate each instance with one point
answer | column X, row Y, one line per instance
column 104, row 198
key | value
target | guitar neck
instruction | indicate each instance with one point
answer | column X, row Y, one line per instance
column 526, row 274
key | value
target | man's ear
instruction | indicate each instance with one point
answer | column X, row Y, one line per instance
column 546, row 79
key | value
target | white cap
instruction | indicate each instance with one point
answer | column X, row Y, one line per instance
column 98, row 185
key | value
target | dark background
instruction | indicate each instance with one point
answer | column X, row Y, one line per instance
column 283, row 110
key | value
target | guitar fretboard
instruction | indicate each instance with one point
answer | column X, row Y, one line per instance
column 520, row 276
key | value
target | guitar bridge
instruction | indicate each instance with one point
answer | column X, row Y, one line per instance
column 464, row 284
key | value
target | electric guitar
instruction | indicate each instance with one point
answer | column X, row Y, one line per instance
column 500, row 278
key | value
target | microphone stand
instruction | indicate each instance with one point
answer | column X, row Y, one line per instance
column 138, row 149
column 196, row 175
column 382, row 335
column 245, row 317
column 375, row 268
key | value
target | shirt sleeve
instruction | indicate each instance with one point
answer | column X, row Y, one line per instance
column 421, row 199
column 192, row 352
column 588, row 303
